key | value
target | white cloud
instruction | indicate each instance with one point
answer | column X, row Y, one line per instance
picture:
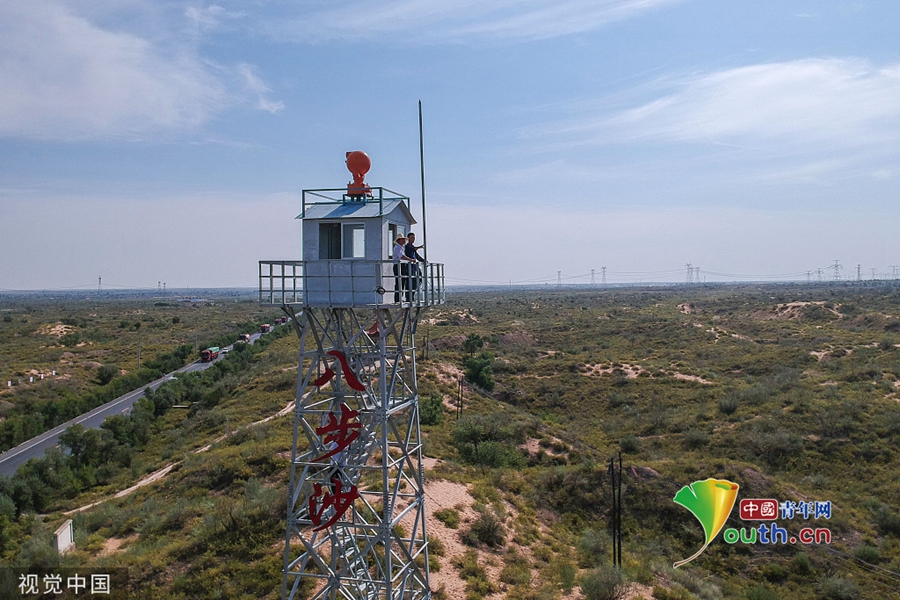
column 454, row 21
column 64, row 76
column 847, row 102
column 258, row 88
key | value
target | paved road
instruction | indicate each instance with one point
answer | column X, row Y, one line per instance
column 36, row 446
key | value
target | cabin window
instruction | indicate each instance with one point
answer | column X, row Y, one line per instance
column 329, row 241
column 338, row 241
column 354, row 241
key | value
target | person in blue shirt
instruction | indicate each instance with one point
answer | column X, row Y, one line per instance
column 411, row 252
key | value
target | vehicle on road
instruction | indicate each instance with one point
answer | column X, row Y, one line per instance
column 244, row 339
column 264, row 328
column 209, row 354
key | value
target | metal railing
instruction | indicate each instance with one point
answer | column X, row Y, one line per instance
column 350, row 283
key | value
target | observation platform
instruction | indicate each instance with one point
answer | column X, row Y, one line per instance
column 349, row 283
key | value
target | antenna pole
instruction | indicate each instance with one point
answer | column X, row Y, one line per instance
column 422, row 172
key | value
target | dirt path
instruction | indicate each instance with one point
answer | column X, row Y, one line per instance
column 161, row 473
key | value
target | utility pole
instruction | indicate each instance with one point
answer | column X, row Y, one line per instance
column 559, row 279
column 690, row 272
column 894, row 271
column 592, row 278
column 819, row 274
column 697, row 272
column 603, row 275
column 615, row 480
column 99, row 286
column 858, row 272
column 873, row 273
column 809, row 277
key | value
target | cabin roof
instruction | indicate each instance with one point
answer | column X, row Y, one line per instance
column 356, row 210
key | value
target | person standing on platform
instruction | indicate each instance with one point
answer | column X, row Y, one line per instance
column 411, row 252
column 401, row 267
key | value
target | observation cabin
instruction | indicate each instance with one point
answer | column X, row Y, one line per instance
column 347, row 241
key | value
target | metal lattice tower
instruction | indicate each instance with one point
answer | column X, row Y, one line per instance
column 377, row 548
column 356, row 498
column 837, row 270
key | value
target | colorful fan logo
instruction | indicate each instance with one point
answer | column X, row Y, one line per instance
column 711, row 502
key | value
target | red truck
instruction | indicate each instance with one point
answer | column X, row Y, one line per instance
column 209, row 354
column 264, row 328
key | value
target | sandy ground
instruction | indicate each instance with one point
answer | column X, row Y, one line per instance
column 56, row 330
column 633, row 371
column 696, row 378
column 533, row 446
column 449, row 374
column 113, row 545
column 439, row 495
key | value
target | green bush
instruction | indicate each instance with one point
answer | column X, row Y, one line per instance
column 887, row 519
column 773, row 572
column 431, row 410
column 477, row 583
column 567, row 573
column 838, row 588
column 630, row 444
column 695, row 438
column 678, row 593
column 448, row 516
column 516, row 570
column 487, row 529
column 592, row 547
column 106, row 373
column 869, row 554
column 473, row 343
column 801, row 564
column 761, row 592
column 728, row 404
column 479, row 370
column 488, row 440
column 604, row 583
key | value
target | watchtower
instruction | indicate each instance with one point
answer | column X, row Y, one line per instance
column 356, row 501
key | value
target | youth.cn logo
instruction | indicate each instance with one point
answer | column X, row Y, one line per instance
column 711, row 502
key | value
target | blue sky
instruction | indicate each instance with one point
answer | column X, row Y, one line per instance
column 147, row 141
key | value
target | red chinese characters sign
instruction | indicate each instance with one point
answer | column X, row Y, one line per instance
column 340, row 433
column 352, row 381
column 336, row 498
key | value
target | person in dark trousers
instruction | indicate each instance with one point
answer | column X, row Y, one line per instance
column 411, row 252
column 401, row 266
